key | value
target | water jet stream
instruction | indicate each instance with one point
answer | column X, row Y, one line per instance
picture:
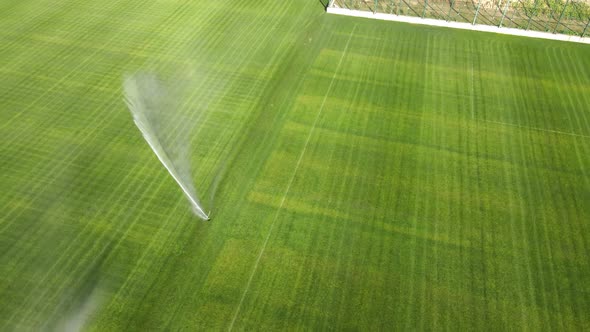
column 153, row 107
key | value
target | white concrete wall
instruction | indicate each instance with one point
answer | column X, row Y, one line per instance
column 457, row 25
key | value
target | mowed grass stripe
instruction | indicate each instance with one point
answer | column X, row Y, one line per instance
column 197, row 133
column 75, row 30
column 288, row 186
column 140, row 213
column 71, row 155
column 286, row 203
column 40, row 187
column 337, row 239
column 559, row 156
column 418, row 209
column 340, row 240
column 433, row 252
column 74, row 247
column 319, row 241
column 534, row 251
column 580, row 117
column 558, row 161
column 89, row 135
column 525, row 191
column 378, row 247
column 513, row 201
column 124, row 284
column 71, row 73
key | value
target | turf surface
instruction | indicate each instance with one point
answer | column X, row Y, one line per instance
column 374, row 175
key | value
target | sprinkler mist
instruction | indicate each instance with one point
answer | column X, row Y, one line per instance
column 155, row 110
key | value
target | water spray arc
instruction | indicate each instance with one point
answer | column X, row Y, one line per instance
column 153, row 108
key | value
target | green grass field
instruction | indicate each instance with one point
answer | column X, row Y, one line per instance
column 376, row 175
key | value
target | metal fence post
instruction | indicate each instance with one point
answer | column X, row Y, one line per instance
column 375, row 7
column 476, row 12
column 504, row 13
column 398, row 7
column 450, row 10
column 424, row 11
column 496, row 10
column 561, row 16
column 585, row 28
column 547, row 21
column 531, row 15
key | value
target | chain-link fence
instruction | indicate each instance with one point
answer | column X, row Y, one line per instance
column 555, row 16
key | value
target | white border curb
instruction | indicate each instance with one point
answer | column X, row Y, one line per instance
column 457, row 25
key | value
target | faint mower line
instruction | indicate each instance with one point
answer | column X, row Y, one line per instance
column 559, row 132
